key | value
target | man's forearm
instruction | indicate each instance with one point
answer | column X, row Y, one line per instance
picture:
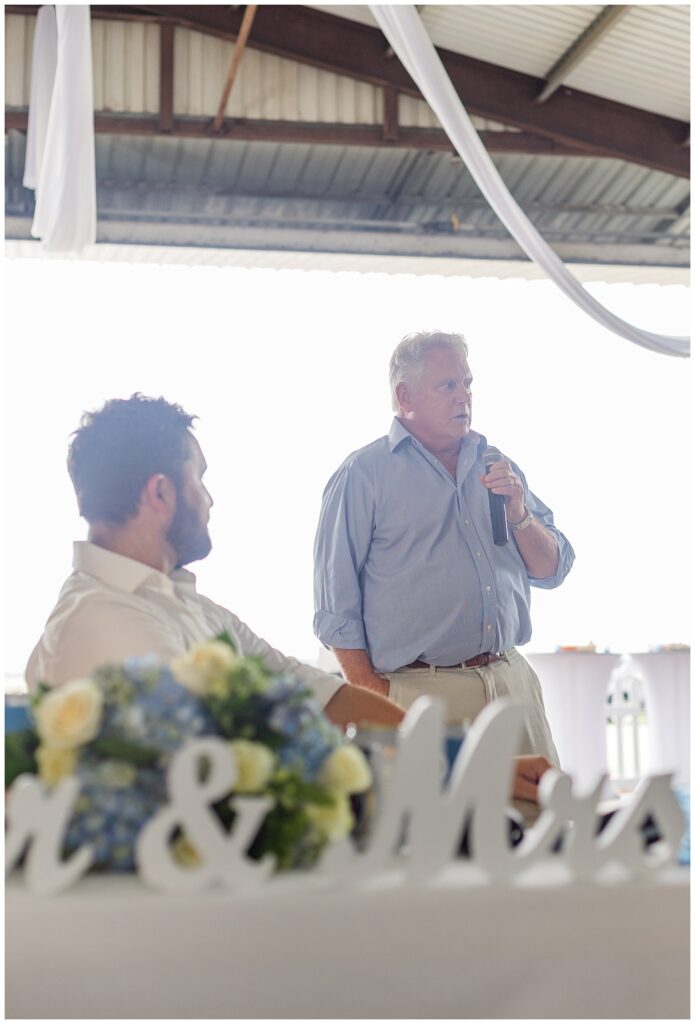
column 358, row 670
column 356, row 704
column 538, row 549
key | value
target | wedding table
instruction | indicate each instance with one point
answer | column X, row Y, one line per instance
column 575, row 687
column 666, row 677
column 110, row 948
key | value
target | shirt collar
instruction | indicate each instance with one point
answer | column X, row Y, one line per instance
column 398, row 434
column 125, row 573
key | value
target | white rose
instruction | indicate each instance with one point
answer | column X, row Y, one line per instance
column 70, row 715
column 346, row 771
column 254, row 762
column 197, row 668
column 335, row 820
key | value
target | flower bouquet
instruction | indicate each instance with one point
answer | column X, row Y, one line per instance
column 117, row 732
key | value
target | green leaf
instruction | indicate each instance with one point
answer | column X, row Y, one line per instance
column 39, row 693
column 20, row 755
column 225, row 638
column 122, row 750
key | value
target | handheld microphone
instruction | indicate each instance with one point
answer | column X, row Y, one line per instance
column 498, row 510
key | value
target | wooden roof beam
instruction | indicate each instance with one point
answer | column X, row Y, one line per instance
column 312, row 133
column 237, row 54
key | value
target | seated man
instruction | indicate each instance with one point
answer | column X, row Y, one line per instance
column 137, row 471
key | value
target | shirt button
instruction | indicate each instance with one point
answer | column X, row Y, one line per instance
column 477, row 554
column 489, row 628
column 467, row 522
column 488, row 589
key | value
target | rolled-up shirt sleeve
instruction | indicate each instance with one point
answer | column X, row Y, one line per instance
column 342, row 543
column 565, row 550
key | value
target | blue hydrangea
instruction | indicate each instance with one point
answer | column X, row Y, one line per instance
column 309, row 737
column 146, row 707
column 161, row 714
column 110, row 819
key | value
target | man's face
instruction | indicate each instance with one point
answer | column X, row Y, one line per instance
column 188, row 533
column 438, row 410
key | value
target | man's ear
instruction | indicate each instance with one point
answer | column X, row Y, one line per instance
column 403, row 395
column 159, row 494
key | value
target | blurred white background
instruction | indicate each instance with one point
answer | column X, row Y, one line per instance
column 287, row 371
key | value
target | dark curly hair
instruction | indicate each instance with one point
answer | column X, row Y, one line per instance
column 117, row 449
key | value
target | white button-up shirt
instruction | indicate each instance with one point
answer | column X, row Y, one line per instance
column 112, row 608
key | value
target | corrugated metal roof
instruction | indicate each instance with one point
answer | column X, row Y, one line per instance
column 212, row 192
column 643, row 61
column 126, row 79
column 421, row 195
column 125, row 57
column 19, row 42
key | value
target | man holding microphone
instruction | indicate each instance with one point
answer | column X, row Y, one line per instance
column 412, row 591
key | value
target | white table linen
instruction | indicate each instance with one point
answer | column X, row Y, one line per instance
column 575, row 687
column 666, row 677
column 112, row 949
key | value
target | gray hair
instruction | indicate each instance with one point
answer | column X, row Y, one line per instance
column 408, row 358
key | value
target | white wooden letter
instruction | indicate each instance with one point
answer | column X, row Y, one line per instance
column 40, row 816
column 221, row 855
column 480, row 783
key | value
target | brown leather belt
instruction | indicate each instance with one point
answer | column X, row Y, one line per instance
column 487, row 658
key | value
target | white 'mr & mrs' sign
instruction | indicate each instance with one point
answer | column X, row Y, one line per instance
column 413, row 801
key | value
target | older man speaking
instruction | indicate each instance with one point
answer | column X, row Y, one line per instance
column 411, row 591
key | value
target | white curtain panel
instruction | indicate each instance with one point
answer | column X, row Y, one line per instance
column 43, row 71
column 407, row 36
column 60, row 163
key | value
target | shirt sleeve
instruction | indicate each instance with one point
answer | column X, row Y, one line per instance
column 343, row 537
column 565, row 550
column 322, row 685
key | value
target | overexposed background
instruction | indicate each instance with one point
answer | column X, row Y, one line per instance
column 287, row 371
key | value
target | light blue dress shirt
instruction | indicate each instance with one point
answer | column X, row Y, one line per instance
column 405, row 564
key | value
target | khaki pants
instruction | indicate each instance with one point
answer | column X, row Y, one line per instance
column 466, row 691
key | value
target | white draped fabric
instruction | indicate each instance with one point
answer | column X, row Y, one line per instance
column 60, row 162
column 43, row 70
column 407, row 36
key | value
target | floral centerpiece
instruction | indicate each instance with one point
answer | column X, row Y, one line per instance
column 117, row 732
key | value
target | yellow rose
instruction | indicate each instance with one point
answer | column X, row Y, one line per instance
column 70, row 715
column 254, row 762
column 197, row 668
column 346, row 771
column 334, row 820
column 55, row 764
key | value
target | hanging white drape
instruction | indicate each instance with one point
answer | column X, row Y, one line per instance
column 43, row 70
column 60, row 162
column 407, row 36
